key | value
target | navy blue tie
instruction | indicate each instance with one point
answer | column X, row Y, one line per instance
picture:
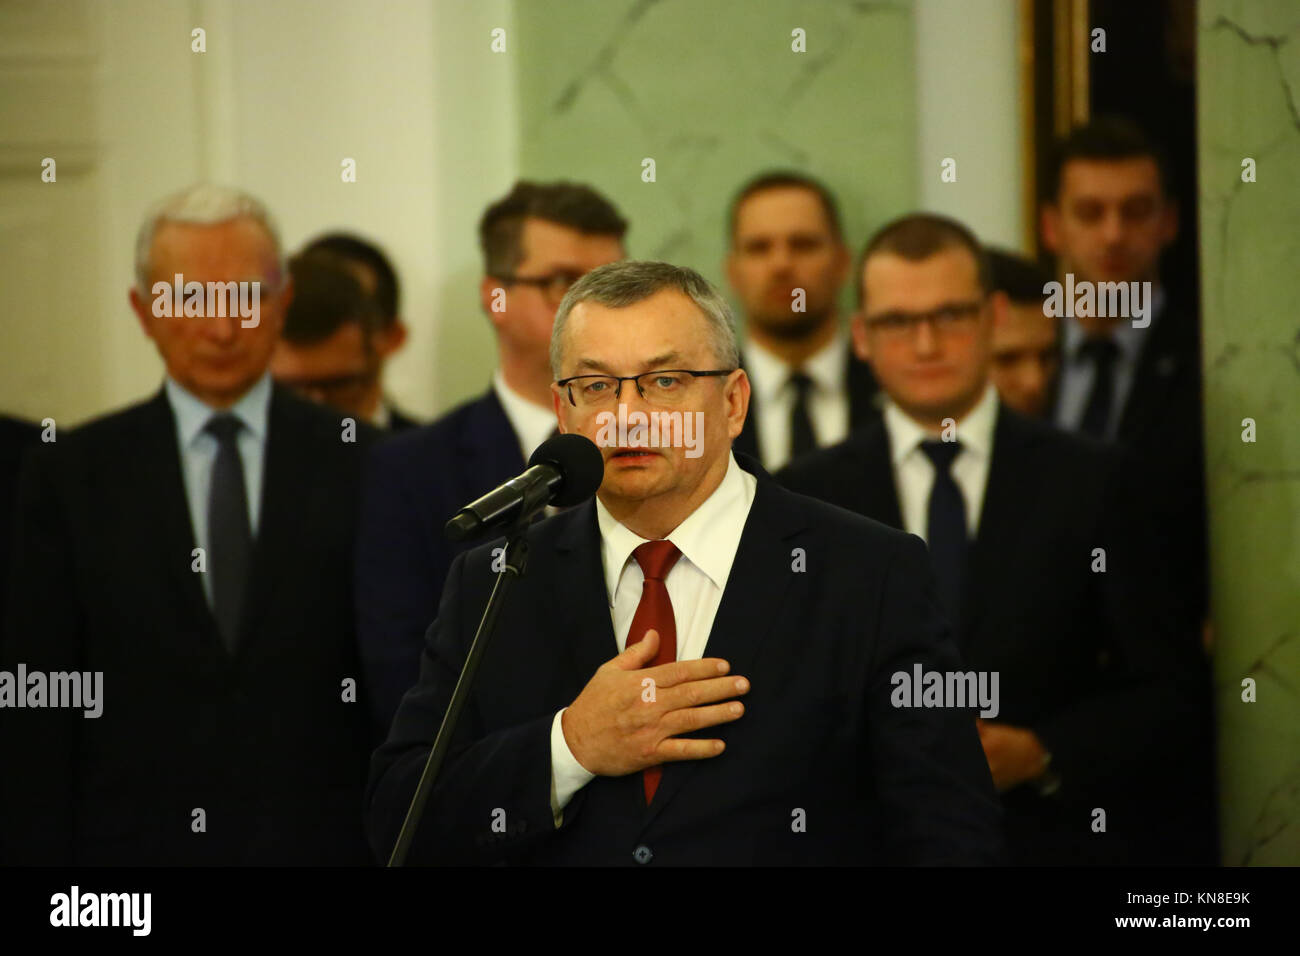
column 946, row 527
column 802, row 439
column 1101, row 353
column 230, row 539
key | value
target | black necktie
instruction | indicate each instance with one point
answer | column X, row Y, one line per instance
column 946, row 527
column 230, row 540
column 802, row 439
column 1101, row 353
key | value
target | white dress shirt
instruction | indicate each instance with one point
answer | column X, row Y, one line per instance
column 532, row 423
column 774, row 395
column 914, row 472
column 708, row 540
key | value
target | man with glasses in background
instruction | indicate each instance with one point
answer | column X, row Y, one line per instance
column 536, row 242
column 327, row 351
column 1045, row 566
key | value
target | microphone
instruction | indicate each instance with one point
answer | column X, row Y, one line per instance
column 564, row 470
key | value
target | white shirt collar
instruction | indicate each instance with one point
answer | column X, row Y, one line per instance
column 192, row 414
column 708, row 537
column 769, row 375
column 974, row 431
column 1126, row 336
column 532, row 424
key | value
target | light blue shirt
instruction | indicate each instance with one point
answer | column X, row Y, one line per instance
column 1077, row 371
column 199, row 452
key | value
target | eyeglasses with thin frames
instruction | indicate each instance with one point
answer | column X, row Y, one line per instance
column 668, row 386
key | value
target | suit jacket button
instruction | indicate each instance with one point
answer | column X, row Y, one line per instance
column 642, row 854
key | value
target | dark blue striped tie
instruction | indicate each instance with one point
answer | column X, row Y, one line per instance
column 230, row 540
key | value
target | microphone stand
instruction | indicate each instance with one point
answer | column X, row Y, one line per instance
column 516, row 561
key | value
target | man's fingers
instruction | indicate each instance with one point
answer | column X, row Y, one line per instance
column 679, row 672
column 638, row 655
column 696, row 692
column 693, row 718
column 685, row 748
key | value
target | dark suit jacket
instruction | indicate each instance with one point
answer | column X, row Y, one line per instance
column 414, row 482
column 262, row 741
column 15, row 438
column 862, row 407
column 876, row 783
column 399, row 421
column 1087, row 660
column 1162, row 427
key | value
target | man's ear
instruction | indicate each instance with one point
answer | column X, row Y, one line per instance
column 1000, row 303
column 858, row 330
column 736, row 395
column 392, row 338
column 143, row 310
column 1049, row 224
column 489, row 290
column 558, row 401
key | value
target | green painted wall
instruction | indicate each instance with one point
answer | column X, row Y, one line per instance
column 1249, row 107
column 712, row 91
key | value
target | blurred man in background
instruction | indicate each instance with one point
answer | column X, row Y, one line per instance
column 786, row 264
column 1102, row 702
column 378, row 277
column 536, row 241
column 1026, row 350
column 327, row 351
column 1134, row 381
column 189, row 559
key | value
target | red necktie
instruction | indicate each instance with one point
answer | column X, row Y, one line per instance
column 655, row 612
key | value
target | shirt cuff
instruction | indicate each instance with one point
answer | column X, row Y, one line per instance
column 567, row 775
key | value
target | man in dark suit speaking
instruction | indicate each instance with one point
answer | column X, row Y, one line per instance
column 700, row 667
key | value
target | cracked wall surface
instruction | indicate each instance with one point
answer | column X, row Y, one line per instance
column 713, row 93
column 1248, row 90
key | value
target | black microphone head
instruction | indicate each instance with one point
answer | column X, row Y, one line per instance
column 578, row 459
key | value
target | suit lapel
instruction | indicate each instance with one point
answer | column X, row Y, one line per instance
column 862, row 393
column 751, row 604
column 869, row 480
column 1009, row 494
column 1168, row 347
column 291, row 490
column 160, row 485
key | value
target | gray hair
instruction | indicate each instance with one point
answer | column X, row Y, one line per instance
column 629, row 281
column 202, row 204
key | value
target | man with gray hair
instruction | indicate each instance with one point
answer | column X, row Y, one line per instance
column 699, row 666
column 195, row 551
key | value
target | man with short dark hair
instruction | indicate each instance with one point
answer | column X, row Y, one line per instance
column 668, row 684
column 787, row 263
column 379, row 279
column 189, row 560
column 1042, row 561
column 536, row 242
column 1133, row 380
column 327, row 351
column 1026, row 350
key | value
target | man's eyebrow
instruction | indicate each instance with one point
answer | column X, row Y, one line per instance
column 650, row 364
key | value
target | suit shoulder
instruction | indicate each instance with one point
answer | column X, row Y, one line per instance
column 812, row 472
column 433, row 439
column 843, row 528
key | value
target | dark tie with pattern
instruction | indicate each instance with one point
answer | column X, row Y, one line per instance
column 802, row 439
column 230, row 540
column 946, row 527
column 1101, row 353
column 655, row 611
